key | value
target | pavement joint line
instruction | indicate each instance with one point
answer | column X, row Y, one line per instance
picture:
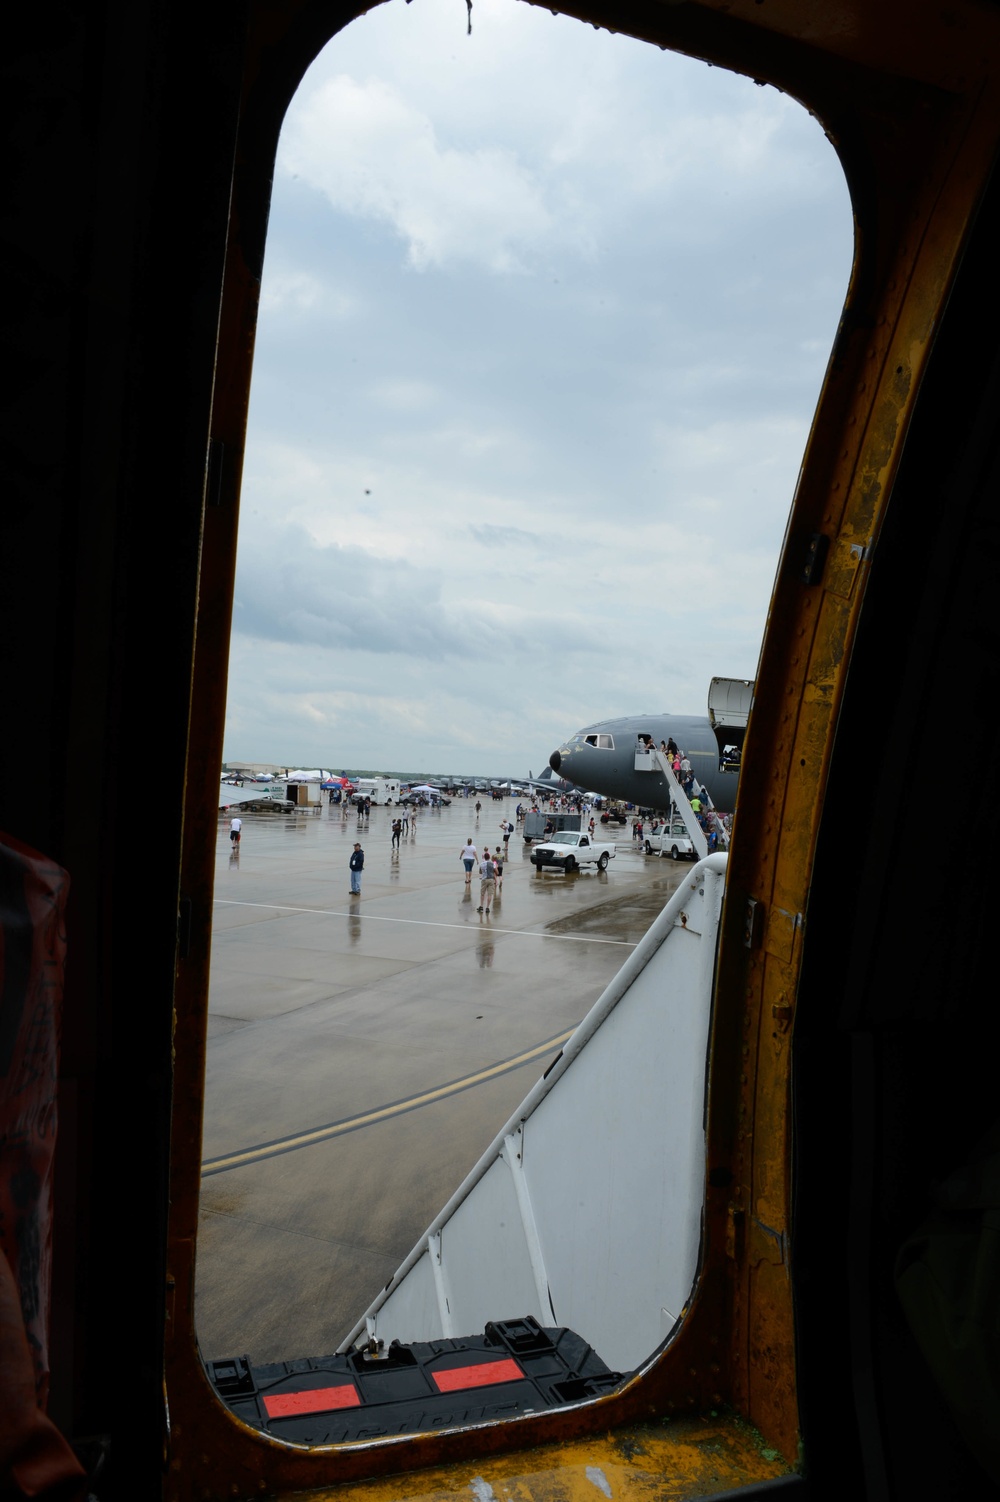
column 264, row 1150
column 331, row 912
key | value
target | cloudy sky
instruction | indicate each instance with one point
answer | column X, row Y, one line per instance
column 544, row 319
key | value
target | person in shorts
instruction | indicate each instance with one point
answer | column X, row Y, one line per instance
column 487, row 882
column 235, row 829
column 469, row 857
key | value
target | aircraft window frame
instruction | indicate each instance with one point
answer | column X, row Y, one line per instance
column 736, row 1254
column 604, row 741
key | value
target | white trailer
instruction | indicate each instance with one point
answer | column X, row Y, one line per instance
column 379, row 789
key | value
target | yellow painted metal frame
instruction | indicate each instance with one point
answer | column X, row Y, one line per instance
column 910, row 96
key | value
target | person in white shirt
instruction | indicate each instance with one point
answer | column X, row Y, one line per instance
column 235, row 826
column 469, row 857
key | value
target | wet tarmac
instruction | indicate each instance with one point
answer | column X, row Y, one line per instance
column 363, row 1052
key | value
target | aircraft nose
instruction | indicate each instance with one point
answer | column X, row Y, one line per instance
column 555, row 761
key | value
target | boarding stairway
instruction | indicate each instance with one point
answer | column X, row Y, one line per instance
column 649, row 759
column 585, row 1212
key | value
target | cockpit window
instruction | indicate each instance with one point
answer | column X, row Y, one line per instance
column 602, row 742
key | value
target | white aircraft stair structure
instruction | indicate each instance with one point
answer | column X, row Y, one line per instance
column 586, row 1210
column 649, row 759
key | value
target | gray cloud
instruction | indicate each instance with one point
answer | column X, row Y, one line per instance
column 293, row 589
column 490, row 536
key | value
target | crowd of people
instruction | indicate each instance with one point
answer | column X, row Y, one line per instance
column 491, row 864
column 715, row 828
column 490, row 867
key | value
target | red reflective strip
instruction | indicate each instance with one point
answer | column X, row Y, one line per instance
column 485, row 1374
column 317, row 1400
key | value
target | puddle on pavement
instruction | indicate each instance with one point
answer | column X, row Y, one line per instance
column 627, row 917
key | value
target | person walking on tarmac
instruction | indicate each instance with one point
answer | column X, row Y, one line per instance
column 356, row 864
column 469, row 856
column 487, row 882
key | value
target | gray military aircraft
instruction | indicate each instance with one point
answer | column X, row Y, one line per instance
column 612, row 757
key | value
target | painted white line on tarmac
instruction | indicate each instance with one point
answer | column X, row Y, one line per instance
column 332, row 912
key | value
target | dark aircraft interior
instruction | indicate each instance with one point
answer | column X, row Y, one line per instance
column 847, row 1307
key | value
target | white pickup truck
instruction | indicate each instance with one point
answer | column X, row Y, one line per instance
column 671, row 839
column 572, row 848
